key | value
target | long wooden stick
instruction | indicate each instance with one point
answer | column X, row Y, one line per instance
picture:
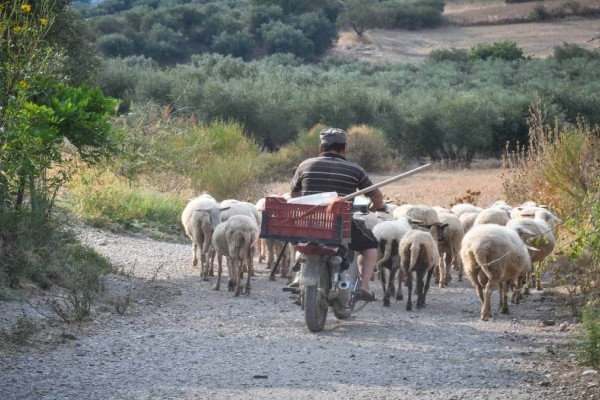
column 387, row 182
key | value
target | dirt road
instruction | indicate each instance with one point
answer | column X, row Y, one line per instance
column 181, row 340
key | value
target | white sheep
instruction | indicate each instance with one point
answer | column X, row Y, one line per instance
column 449, row 247
column 538, row 213
column 467, row 220
column 269, row 249
column 459, row 209
column 199, row 226
column 418, row 254
column 494, row 255
column 492, row 216
column 543, row 240
column 237, row 207
column 388, row 235
column 262, row 243
column 419, row 212
column 236, row 239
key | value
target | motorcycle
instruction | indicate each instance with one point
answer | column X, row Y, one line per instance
column 321, row 234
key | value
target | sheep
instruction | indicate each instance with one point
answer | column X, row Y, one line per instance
column 419, row 254
column 420, row 212
column 543, row 240
column 236, row 207
column 231, row 207
column 459, row 209
column 502, row 205
column 269, row 249
column 199, row 225
column 236, row 239
column 494, row 255
column 467, row 220
column 538, row 213
column 388, row 235
column 449, row 247
column 262, row 243
column 492, row 216
column 370, row 219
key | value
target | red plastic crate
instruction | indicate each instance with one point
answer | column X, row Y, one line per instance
column 306, row 223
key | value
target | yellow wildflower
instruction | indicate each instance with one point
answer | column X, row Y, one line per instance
column 44, row 21
column 26, row 8
column 17, row 29
column 23, row 84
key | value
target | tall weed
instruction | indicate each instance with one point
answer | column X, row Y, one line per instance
column 560, row 168
column 34, row 248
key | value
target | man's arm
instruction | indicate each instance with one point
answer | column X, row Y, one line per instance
column 377, row 200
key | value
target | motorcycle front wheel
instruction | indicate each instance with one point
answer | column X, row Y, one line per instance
column 315, row 302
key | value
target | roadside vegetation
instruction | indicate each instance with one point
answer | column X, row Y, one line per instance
column 238, row 104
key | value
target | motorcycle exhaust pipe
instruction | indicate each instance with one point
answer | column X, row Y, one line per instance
column 344, row 292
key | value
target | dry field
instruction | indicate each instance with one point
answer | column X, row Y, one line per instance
column 435, row 187
column 536, row 39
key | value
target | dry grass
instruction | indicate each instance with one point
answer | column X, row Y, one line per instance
column 445, row 188
column 441, row 188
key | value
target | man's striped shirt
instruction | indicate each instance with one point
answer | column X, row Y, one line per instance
column 330, row 172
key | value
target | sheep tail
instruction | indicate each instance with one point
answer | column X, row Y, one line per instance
column 415, row 248
column 386, row 254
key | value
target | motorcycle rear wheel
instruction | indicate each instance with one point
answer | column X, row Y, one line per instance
column 315, row 302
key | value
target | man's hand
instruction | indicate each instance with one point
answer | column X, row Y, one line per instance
column 385, row 208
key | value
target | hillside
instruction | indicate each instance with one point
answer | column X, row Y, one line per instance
column 472, row 23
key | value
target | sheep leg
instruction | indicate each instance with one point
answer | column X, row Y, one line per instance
column 400, row 273
column 485, row 306
column 238, row 270
column 384, row 286
column 420, row 289
column 538, row 277
column 448, row 276
column 250, row 273
column 441, row 273
column 427, row 283
column 459, row 266
column 219, row 272
column 504, row 297
column 409, row 286
column 194, row 256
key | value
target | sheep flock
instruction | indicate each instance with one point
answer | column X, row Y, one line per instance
column 498, row 247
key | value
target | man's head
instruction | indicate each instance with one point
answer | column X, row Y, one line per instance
column 333, row 139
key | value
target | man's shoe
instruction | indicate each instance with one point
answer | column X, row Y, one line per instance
column 363, row 294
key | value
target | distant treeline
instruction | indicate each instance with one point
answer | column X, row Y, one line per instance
column 456, row 104
column 172, row 31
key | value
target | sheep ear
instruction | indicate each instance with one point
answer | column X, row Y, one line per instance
column 532, row 249
column 224, row 208
column 524, row 232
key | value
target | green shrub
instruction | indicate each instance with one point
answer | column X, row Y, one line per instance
column 541, row 13
column 33, row 248
column 589, row 349
column 104, row 199
column 452, row 54
column 115, row 45
column 282, row 163
column 281, row 38
column 369, row 148
column 570, row 50
column 505, row 50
